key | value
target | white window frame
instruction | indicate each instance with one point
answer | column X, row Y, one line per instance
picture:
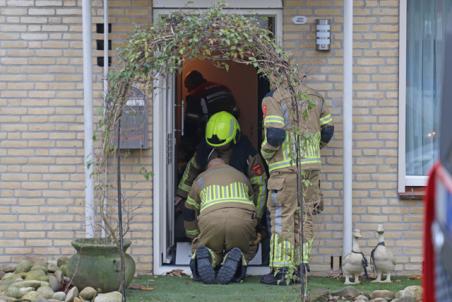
column 164, row 7
column 404, row 180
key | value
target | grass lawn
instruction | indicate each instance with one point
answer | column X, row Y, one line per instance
column 178, row 289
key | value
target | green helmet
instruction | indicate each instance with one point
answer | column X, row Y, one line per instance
column 221, row 129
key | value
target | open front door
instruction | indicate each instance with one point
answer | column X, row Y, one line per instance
column 168, row 162
column 164, row 138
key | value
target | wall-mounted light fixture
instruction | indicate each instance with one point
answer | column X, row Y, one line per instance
column 323, row 34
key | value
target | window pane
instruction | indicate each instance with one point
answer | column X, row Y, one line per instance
column 425, row 60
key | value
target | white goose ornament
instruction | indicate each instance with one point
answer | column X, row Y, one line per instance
column 355, row 262
column 382, row 258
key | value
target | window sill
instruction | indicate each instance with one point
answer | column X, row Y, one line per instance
column 412, row 193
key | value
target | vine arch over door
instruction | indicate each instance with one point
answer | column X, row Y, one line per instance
column 154, row 53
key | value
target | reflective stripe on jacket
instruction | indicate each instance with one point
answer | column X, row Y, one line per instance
column 218, row 187
column 242, row 157
column 278, row 114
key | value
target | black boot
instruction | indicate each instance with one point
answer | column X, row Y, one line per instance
column 276, row 278
column 240, row 274
column 194, row 270
column 204, row 265
column 230, row 266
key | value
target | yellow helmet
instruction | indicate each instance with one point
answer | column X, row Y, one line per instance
column 221, row 129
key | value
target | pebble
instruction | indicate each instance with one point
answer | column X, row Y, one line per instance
column 28, row 283
column 383, row 293
column 109, row 297
column 413, row 291
column 72, row 293
column 60, row 296
column 62, row 261
column 39, row 267
column 348, row 292
column 404, row 299
column 52, row 267
column 24, row 266
column 32, row 296
column 59, row 276
column 36, row 275
column 54, row 284
column 8, row 268
column 45, row 292
column 88, row 293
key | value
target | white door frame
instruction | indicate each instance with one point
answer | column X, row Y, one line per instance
column 159, row 137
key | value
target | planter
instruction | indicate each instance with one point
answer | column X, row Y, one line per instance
column 97, row 263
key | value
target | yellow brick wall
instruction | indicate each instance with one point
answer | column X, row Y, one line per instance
column 137, row 191
column 41, row 133
column 41, row 157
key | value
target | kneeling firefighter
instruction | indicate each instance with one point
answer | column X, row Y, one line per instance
column 224, row 140
column 220, row 207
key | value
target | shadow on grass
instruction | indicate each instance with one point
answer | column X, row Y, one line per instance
column 183, row 289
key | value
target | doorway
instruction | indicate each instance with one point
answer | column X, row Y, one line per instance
column 248, row 90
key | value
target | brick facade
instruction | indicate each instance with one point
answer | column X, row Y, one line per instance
column 41, row 153
column 41, row 129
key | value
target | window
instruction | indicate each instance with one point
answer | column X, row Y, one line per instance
column 421, row 74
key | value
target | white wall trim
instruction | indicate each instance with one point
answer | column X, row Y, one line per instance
column 348, row 128
column 157, row 161
column 88, row 119
column 416, row 181
column 181, row 4
column 402, row 94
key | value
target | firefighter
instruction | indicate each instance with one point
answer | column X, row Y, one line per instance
column 314, row 129
column 204, row 99
column 220, row 208
column 223, row 139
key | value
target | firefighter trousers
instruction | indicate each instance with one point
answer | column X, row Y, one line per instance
column 227, row 228
column 285, row 211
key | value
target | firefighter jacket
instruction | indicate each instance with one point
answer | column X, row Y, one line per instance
column 280, row 129
column 205, row 100
column 243, row 157
column 217, row 188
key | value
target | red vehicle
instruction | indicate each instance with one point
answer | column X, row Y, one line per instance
column 437, row 269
